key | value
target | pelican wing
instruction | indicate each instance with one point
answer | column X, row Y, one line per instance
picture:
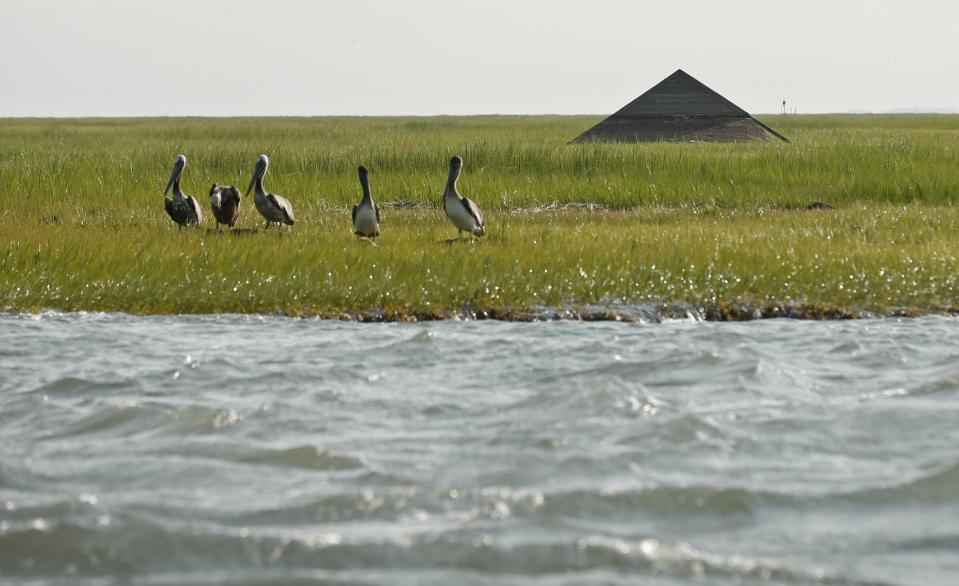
column 473, row 210
column 196, row 215
column 284, row 206
column 184, row 211
column 356, row 207
column 376, row 208
column 170, row 209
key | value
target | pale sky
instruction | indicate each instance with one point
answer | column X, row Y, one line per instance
column 424, row 57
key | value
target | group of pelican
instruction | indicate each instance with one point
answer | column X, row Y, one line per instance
column 276, row 209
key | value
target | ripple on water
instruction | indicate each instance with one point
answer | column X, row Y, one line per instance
column 145, row 419
column 612, row 396
column 76, row 387
column 677, row 430
column 306, row 457
column 939, row 487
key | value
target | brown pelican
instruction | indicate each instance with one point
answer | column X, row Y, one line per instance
column 366, row 214
column 182, row 208
column 462, row 211
column 225, row 201
column 275, row 208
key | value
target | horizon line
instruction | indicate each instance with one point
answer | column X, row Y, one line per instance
column 893, row 112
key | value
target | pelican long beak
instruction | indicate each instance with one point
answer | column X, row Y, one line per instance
column 177, row 171
column 365, row 183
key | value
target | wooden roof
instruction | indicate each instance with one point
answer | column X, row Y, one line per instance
column 679, row 108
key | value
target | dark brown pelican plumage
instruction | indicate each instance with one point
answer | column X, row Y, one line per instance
column 462, row 211
column 275, row 208
column 366, row 214
column 182, row 208
column 225, row 201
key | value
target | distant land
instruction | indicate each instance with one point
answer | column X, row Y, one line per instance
column 912, row 110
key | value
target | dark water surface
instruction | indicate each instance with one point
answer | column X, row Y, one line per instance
column 263, row 450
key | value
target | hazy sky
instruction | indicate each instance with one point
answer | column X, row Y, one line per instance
column 289, row 57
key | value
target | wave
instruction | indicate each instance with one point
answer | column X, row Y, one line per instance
column 651, row 501
column 498, row 503
column 307, row 457
column 146, row 418
column 940, row 487
column 142, row 547
column 73, row 386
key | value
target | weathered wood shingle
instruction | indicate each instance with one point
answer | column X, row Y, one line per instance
column 679, row 109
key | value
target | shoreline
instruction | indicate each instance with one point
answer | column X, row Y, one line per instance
column 640, row 313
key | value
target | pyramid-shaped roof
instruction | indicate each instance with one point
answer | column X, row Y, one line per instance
column 681, row 94
column 679, row 108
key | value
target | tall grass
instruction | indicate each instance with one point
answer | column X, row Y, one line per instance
column 93, row 170
column 82, row 223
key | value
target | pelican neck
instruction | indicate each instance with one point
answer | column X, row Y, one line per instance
column 367, row 192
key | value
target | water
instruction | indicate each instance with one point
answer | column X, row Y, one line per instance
column 261, row 450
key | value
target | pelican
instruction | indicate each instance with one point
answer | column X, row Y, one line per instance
column 462, row 211
column 275, row 208
column 366, row 214
column 182, row 208
column 225, row 201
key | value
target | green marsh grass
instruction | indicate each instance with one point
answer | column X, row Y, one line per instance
column 82, row 225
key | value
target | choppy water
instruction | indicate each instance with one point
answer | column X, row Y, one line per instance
column 261, row 450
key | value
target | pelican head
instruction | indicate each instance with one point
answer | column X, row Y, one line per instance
column 363, row 173
column 456, row 163
column 262, row 162
column 178, row 164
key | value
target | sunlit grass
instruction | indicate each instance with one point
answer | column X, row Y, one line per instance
column 82, row 225
column 874, row 258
